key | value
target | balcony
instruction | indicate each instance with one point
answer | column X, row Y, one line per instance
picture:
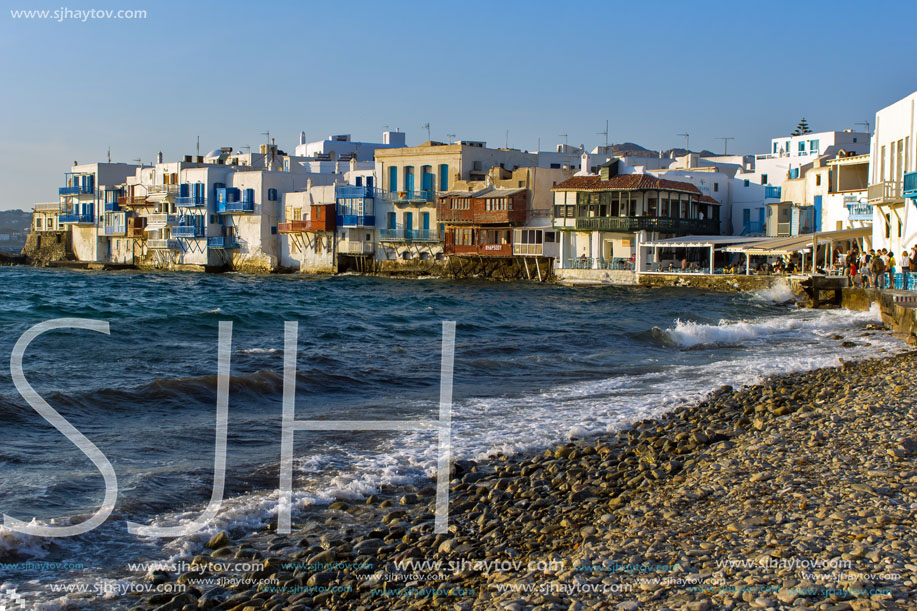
column 356, row 248
column 884, row 193
column 857, row 211
column 223, row 242
column 235, row 207
column 76, row 218
column 662, row 224
column 113, row 230
column 408, row 235
column 528, row 250
column 355, row 220
column 413, row 197
column 910, row 185
column 136, row 232
column 187, row 231
column 165, row 219
column 772, row 192
column 76, row 190
column 191, row 201
column 133, row 200
column 163, row 245
column 353, row 191
column 112, row 207
column 483, row 250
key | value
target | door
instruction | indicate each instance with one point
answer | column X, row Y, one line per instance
column 408, row 225
column 425, row 219
column 426, row 181
column 409, row 178
column 393, row 179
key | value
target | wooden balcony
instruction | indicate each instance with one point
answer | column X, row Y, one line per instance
column 884, row 193
column 481, row 250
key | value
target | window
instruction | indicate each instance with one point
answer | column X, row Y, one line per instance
column 802, row 146
column 854, row 140
column 443, row 177
column 818, row 180
column 716, row 187
column 747, row 182
column 775, row 148
column 272, row 195
column 813, row 145
column 764, row 179
column 393, row 179
column 555, row 166
column 274, row 230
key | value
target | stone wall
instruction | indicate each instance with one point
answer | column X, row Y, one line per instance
column 897, row 317
column 714, row 283
column 43, row 247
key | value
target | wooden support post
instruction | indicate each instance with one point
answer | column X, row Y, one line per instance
column 538, row 269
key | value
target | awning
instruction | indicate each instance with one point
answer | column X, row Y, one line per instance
column 690, row 241
column 154, row 226
column 788, row 245
column 160, row 197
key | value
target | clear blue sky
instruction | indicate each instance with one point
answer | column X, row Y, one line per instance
column 227, row 71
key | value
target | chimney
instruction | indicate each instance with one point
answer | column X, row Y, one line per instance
column 159, row 157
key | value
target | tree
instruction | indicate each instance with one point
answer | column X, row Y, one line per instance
column 802, row 128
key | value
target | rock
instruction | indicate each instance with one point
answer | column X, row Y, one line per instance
column 221, row 539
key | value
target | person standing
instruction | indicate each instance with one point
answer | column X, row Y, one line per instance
column 905, row 264
column 877, row 268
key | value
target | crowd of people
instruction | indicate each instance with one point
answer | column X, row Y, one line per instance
column 877, row 269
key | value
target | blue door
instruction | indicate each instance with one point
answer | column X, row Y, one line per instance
column 369, row 182
column 393, row 179
column 817, row 206
column 426, row 181
column 409, row 178
column 392, row 222
column 425, row 219
column 443, row 177
column 408, row 225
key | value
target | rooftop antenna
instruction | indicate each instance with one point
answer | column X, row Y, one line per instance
column 564, row 136
column 606, row 135
column 686, row 136
column 426, row 126
column 507, row 138
column 450, row 137
column 866, row 123
column 267, row 136
column 198, row 146
column 725, row 140
column 109, row 154
column 139, row 162
column 247, row 147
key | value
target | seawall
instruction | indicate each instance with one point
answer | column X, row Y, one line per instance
column 896, row 316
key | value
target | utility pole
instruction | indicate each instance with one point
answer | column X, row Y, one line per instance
column 606, row 135
column 686, row 136
column 725, row 140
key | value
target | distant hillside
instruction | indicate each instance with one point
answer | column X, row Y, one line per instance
column 15, row 221
column 635, row 150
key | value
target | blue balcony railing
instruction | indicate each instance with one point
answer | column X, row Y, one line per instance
column 222, row 242
column 910, row 185
column 858, row 211
column 425, row 195
column 76, row 218
column 353, row 191
column 113, row 230
column 187, row 231
column 75, row 190
column 112, row 207
column 232, row 207
column 355, row 220
column 408, row 235
column 772, row 192
column 191, row 201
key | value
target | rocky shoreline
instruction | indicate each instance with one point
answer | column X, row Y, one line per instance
column 800, row 492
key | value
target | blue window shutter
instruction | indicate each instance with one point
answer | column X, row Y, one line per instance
column 444, row 177
column 393, row 179
column 212, row 219
column 183, row 190
column 274, row 230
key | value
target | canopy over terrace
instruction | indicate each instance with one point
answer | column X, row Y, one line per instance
column 711, row 243
column 803, row 243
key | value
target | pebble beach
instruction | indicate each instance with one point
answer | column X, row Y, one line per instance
column 796, row 493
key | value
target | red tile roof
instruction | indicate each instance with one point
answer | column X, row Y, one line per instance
column 624, row 182
column 706, row 199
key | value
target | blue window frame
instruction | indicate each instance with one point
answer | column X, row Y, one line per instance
column 272, row 195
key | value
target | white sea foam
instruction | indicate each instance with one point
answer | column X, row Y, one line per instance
column 688, row 334
column 260, row 351
column 779, row 293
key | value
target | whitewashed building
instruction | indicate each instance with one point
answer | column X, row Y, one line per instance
column 892, row 190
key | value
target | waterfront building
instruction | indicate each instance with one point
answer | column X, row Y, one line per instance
column 892, row 190
column 46, row 217
column 342, row 148
column 601, row 216
column 791, row 156
column 307, row 233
